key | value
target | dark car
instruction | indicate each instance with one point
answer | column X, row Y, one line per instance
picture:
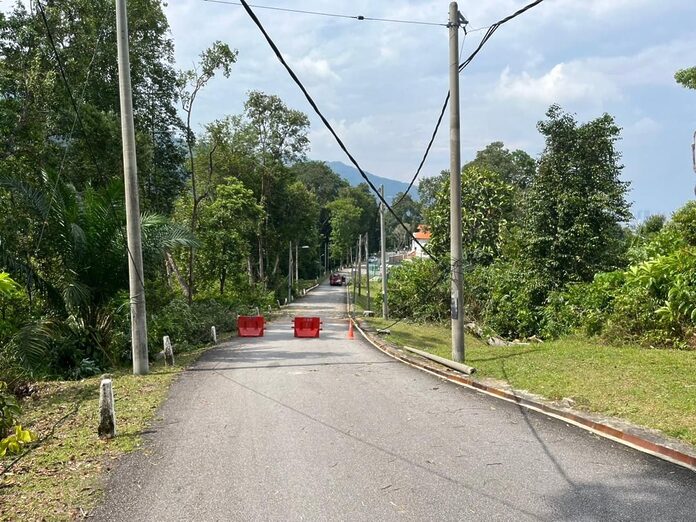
column 336, row 280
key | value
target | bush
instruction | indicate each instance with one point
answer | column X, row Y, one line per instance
column 9, row 410
column 418, row 290
column 653, row 302
column 514, row 308
column 582, row 306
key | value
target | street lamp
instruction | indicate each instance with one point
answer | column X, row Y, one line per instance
column 297, row 260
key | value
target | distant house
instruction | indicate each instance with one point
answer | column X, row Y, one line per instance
column 422, row 234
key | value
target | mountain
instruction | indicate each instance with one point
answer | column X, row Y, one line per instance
column 391, row 186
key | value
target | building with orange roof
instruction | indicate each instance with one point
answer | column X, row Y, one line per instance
column 422, row 234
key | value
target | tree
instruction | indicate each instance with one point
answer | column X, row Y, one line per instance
column 487, row 207
column 226, row 227
column 43, row 132
column 428, row 189
column 516, row 168
column 577, row 202
column 320, row 179
column 362, row 197
column 190, row 82
column 345, row 226
column 276, row 136
column 686, row 77
column 409, row 212
column 79, row 266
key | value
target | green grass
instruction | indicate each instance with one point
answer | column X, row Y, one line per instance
column 60, row 479
column 652, row 388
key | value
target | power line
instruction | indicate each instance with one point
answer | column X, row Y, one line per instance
column 434, row 135
column 85, row 135
column 489, row 32
column 67, row 143
column 326, row 123
column 333, row 15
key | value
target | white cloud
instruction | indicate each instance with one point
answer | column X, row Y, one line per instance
column 316, row 67
column 563, row 83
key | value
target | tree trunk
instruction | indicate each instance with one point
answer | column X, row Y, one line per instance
column 250, row 270
column 223, row 277
column 276, row 265
column 262, row 276
column 171, row 265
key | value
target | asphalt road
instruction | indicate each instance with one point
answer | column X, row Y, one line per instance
column 278, row 428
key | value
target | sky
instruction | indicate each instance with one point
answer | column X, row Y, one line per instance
column 382, row 85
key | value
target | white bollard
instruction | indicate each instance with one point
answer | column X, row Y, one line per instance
column 213, row 334
column 107, row 414
column 168, row 351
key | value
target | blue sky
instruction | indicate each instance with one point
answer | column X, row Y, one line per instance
column 381, row 85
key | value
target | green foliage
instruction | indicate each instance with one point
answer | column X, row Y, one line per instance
column 418, row 291
column 576, row 202
column 516, row 168
column 189, row 325
column 9, row 410
column 516, row 296
column 345, row 226
column 487, row 206
column 15, row 443
column 686, row 77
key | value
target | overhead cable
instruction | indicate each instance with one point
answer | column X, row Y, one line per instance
column 326, row 123
column 489, row 32
column 333, row 15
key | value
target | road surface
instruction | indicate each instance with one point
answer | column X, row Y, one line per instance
column 278, row 428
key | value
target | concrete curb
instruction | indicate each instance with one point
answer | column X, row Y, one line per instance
column 641, row 439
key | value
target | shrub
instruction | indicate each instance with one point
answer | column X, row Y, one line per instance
column 9, row 410
column 516, row 297
column 418, row 290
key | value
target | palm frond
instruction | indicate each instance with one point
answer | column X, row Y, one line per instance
column 32, row 343
column 76, row 295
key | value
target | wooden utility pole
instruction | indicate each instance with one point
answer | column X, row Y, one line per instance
column 383, row 255
column 136, row 276
column 457, row 312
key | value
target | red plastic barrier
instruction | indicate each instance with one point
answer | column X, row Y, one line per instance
column 307, row 326
column 250, row 325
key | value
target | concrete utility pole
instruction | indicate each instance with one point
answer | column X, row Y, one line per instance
column 290, row 273
column 383, row 255
column 360, row 264
column 130, row 172
column 297, row 261
column 455, row 189
column 352, row 274
column 367, row 264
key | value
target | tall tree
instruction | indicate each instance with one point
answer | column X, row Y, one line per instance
column 516, row 167
column 190, row 83
column 345, row 226
column 277, row 137
column 487, row 208
column 577, row 201
column 409, row 212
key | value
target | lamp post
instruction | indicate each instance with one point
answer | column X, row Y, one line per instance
column 297, row 260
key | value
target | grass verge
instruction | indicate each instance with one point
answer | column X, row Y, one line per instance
column 60, row 479
column 651, row 388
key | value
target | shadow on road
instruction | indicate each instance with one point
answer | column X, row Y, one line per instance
column 634, row 499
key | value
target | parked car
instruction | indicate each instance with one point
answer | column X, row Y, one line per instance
column 337, row 280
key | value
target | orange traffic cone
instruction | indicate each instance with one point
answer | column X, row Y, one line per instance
column 351, row 335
